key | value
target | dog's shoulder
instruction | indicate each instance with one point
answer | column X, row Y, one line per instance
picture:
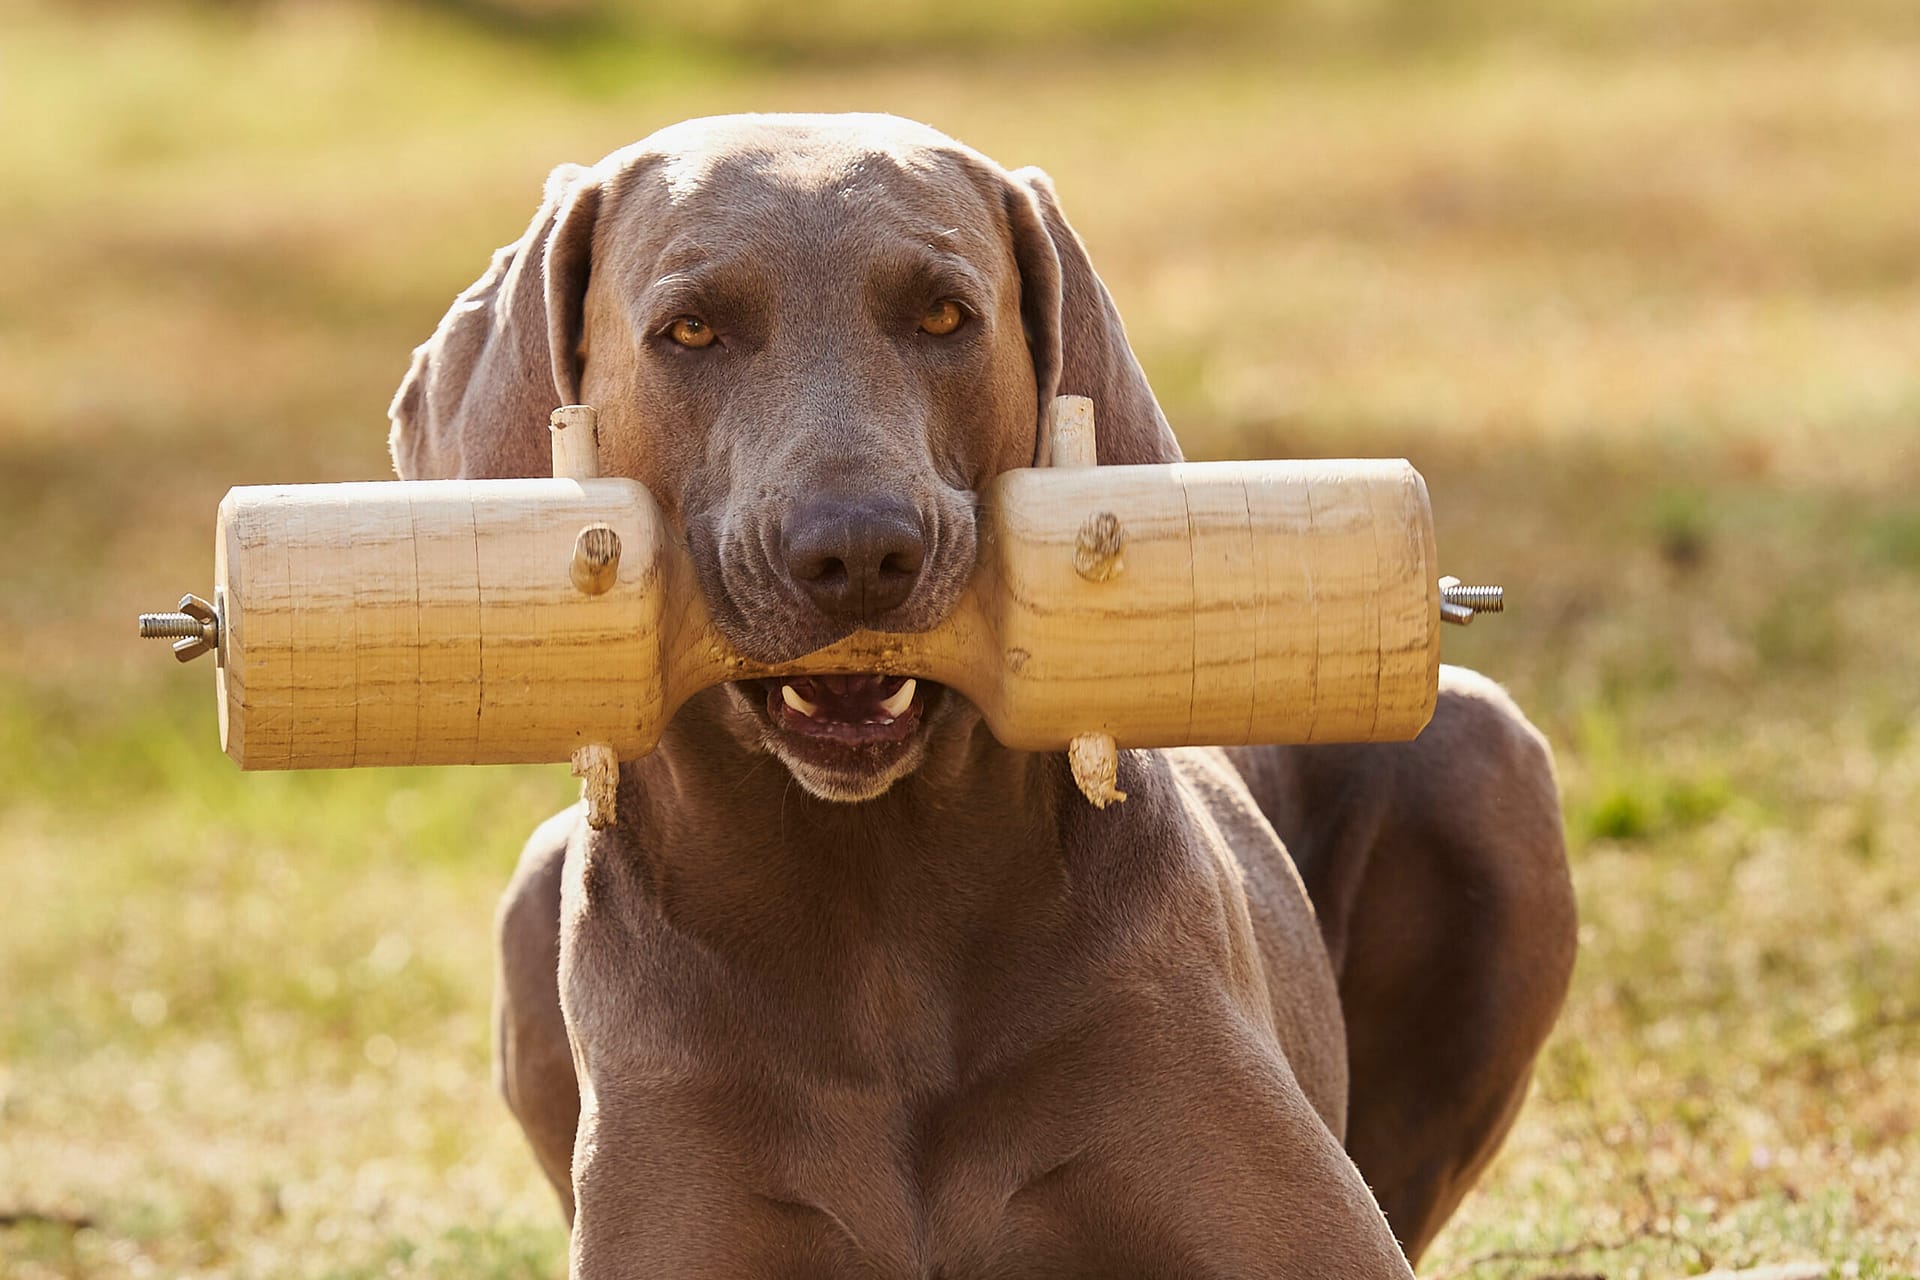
column 1191, row 854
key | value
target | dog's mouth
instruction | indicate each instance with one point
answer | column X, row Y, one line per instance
column 849, row 710
column 847, row 737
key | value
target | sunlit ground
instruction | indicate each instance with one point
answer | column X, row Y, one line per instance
column 1638, row 290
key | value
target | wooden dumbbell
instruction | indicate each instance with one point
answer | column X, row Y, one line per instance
column 499, row 621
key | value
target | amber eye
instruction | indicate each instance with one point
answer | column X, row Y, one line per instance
column 942, row 318
column 691, row 331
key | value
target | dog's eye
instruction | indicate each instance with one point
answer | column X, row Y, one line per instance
column 942, row 318
column 691, row 331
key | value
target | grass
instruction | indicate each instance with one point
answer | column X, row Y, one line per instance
column 1637, row 286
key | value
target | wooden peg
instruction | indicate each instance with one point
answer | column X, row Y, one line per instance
column 1095, row 760
column 1097, row 547
column 596, row 560
column 1070, row 433
column 575, row 429
column 595, row 566
column 1094, row 757
column 599, row 773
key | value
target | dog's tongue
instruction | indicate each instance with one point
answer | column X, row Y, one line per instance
column 854, row 699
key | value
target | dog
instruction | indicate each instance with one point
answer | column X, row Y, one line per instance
column 852, row 990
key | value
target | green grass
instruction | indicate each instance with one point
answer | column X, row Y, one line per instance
column 1636, row 285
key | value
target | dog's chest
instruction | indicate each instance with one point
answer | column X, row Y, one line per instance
column 897, row 1150
column 891, row 1107
column 1053, row 1161
column 862, row 1140
column 871, row 1185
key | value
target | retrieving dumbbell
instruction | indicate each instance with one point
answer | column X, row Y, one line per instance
column 500, row 621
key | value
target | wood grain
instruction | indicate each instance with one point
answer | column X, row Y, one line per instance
column 436, row 622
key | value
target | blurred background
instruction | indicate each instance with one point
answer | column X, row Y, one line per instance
column 1635, row 282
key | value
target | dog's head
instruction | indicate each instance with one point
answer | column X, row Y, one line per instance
column 814, row 339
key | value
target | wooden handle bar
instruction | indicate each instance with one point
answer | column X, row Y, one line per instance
column 448, row 622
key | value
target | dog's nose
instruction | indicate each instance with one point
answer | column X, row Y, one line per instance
column 855, row 558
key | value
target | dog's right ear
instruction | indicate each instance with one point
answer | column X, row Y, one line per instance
column 1079, row 346
column 475, row 402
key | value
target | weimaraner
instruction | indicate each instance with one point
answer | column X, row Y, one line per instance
column 853, row 990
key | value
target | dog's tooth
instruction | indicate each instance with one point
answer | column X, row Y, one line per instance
column 798, row 703
column 896, row 706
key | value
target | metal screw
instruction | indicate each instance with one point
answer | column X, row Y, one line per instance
column 194, row 629
column 1459, row 604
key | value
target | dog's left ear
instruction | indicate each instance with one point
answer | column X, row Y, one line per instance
column 1074, row 331
column 476, row 400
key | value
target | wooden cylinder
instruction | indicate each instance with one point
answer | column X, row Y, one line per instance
column 442, row 622
column 1250, row 602
column 434, row 622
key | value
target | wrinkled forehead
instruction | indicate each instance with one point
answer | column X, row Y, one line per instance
column 832, row 191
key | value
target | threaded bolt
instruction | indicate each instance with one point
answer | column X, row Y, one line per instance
column 170, row 626
column 1459, row 603
column 194, row 628
column 1478, row 599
